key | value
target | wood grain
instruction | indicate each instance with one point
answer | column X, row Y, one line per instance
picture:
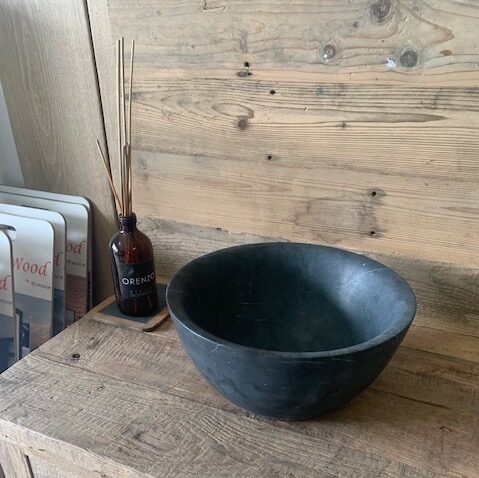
column 443, row 380
column 409, row 131
column 334, row 40
column 42, row 468
column 104, row 57
column 343, row 123
column 347, row 165
column 443, row 342
column 330, row 207
column 156, row 435
column 155, row 416
column 49, row 80
column 15, row 463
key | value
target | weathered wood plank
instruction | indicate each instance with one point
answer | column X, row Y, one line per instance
column 240, row 124
column 455, row 381
column 104, row 56
column 42, row 468
column 448, row 295
column 14, row 462
column 48, row 76
column 332, row 207
column 444, row 380
column 402, row 41
column 63, row 452
column 311, row 119
column 378, row 169
column 420, row 399
column 155, row 433
column 443, row 342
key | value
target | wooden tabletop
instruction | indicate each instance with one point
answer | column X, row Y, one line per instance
column 104, row 401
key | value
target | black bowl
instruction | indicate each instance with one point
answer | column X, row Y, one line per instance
column 289, row 331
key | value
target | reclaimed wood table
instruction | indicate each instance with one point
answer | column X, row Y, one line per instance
column 104, row 401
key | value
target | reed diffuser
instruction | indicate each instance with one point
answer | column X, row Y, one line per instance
column 131, row 252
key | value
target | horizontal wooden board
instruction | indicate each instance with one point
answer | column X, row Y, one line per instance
column 364, row 211
column 435, row 219
column 443, row 342
column 154, row 415
column 408, row 130
column 447, row 381
column 448, row 295
column 310, row 122
column 380, row 40
column 144, row 432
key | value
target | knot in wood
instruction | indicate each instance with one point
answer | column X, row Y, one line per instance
column 408, row 58
column 381, row 9
column 243, row 123
column 329, row 51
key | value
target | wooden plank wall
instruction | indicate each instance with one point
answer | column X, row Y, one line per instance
column 48, row 74
column 346, row 122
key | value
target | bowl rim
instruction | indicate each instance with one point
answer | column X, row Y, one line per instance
column 175, row 307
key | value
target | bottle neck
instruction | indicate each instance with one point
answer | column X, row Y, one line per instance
column 127, row 223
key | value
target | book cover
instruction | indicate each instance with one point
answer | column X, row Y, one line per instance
column 32, row 251
column 59, row 260
column 76, row 218
column 64, row 198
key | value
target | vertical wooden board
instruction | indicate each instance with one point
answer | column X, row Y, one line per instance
column 46, row 469
column 14, row 462
column 50, row 84
column 104, row 52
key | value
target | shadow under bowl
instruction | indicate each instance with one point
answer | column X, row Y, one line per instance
column 289, row 331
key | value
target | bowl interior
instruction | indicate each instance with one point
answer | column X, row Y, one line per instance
column 291, row 297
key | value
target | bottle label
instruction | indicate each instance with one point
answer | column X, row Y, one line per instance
column 136, row 280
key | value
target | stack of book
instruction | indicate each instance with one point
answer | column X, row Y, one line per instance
column 45, row 267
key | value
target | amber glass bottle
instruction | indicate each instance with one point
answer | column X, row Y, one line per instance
column 133, row 269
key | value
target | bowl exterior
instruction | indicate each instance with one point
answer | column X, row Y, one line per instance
column 281, row 387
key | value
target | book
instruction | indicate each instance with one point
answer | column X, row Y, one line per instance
column 77, row 248
column 64, row 198
column 32, row 258
column 59, row 260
